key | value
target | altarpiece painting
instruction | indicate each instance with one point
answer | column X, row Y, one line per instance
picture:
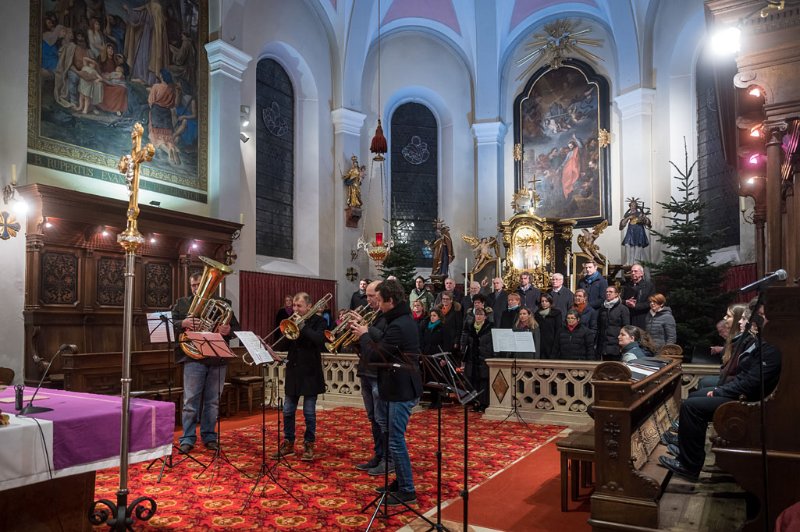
column 99, row 66
column 557, row 123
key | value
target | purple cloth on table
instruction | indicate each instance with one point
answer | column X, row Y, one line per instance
column 86, row 426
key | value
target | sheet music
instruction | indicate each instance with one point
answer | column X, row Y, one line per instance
column 160, row 330
column 210, row 344
column 506, row 340
column 254, row 346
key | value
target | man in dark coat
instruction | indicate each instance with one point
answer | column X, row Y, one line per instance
column 562, row 296
column 612, row 317
column 635, row 295
column 698, row 410
column 203, row 378
column 498, row 300
column 359, row 297
column 399, row 380
column 594, row 284
column 304, row 377
column 528, row 293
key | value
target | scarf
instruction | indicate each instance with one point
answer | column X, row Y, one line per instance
column 433, row 324
column 544, row 312
column 478, row 327
column 571, row 328
column 611, row 304
column 580, row 308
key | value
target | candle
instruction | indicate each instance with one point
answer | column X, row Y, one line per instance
column 379, row 239
column 14, row 175
column 466, row 275
column 742, row 203
column 241, row 217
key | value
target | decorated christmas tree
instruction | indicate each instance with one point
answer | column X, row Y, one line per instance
column 692, row 284
column 400, row 263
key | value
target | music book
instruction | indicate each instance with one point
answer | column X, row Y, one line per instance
column 512, row 341
column 259, row 351
column 159, row 324
column 210, row 344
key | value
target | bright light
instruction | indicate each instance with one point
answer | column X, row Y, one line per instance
column 755, row 132
column 755, row 91
column 753, row 159
column 152, row 240
column 726, row 41
column 104, row 233
column 194, row 245
column 48, row 225
column 752, row 180
column 20, row 207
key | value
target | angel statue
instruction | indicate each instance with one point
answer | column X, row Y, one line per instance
column 586, row 242
column 442, row 249
column 635, row 241
column 483, row 249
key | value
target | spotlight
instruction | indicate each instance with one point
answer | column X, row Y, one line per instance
column 755, row 131
column 47, row 223
column 243, row 136
column 726, row 41
column 20, row 207
column 104, row 233
column 244, row 115
column 194, row 245
column 753, row 159
column 152, row 240
column 755, row 92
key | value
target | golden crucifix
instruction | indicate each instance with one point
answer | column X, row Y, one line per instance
column 129, row 166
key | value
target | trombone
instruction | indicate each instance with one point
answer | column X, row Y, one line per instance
column 342, row 336
column 291, row 326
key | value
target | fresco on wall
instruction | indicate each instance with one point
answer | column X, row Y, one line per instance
column 99, row 66
column 557, row 122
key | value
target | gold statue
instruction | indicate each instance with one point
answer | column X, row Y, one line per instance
column 483, row 251
column 586, row 242
column 353, row 178
column 130, row 239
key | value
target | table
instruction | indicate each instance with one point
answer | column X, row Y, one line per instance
column 50, row 455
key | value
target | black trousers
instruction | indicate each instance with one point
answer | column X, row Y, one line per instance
column 696, row 412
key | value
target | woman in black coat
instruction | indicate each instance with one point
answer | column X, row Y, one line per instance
column 431, row 341
column 575, row 340
column 549, row 319
column 476, row 342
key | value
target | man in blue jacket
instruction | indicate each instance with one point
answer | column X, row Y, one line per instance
column 594, row 284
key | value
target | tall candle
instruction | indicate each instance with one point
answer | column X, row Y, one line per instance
column 14, row 175
column 466, row 275
column 742, row 201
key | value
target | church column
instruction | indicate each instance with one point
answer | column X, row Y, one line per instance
column 225, row 180
column 347, row 129
column 489, row 206
column 636, row 134
column 774, row 244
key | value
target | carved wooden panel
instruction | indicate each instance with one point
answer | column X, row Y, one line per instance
column 110, row 281
column 157, row 284
column 59, row 278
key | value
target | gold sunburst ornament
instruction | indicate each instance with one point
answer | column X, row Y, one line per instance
column 560, row 40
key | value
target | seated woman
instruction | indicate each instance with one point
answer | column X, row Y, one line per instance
column 575, row 340
column 634, row 343
column 526, row 322
column 660, row 324
column 732, row 348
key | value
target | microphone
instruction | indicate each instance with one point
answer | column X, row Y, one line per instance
column 30, row 409
column 777, row 275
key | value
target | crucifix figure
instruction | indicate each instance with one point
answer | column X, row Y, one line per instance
column 129, row 165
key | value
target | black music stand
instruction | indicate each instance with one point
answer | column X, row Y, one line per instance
column 262, row 357
column 514, row 369
column 214, row 345
column 409, row 362
column 450, row 379
column 162, row 329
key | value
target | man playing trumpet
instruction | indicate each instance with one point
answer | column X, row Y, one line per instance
column 304, row 377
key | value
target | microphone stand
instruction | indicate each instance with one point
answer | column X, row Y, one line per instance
column 30, row 409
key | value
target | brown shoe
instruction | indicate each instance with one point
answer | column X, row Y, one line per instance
column 286, row 449
column 308, row 451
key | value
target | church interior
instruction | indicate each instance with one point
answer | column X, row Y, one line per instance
column 307, row 145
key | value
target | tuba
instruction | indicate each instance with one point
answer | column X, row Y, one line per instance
column 211, row 312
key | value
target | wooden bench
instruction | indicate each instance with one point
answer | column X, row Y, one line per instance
column 577, row 455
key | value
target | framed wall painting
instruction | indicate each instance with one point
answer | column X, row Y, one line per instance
column 557, row 122
column 97, row 67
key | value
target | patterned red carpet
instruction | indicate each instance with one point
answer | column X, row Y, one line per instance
column 331, row 491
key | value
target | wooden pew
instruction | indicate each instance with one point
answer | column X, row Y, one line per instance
column 629, row 419
column 737, row 447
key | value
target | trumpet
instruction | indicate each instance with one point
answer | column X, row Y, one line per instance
column 348, row 337
column 345, row 323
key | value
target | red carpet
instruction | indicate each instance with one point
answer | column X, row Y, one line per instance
column 334, row 493
column 524, row 497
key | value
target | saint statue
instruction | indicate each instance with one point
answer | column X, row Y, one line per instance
column 352, row 179
column 635, row 241
column 483, row 249
column 442, row 249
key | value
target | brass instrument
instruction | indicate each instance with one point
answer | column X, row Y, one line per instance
column 290, row 327
column 348, row 337
column 211, row 312
column 345, row 323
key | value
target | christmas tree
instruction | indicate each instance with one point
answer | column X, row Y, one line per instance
column 400, row 263
column 692, row 284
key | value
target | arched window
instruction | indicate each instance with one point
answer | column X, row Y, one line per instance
column 716, row 177
column 274, row 161
column 415, row 179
